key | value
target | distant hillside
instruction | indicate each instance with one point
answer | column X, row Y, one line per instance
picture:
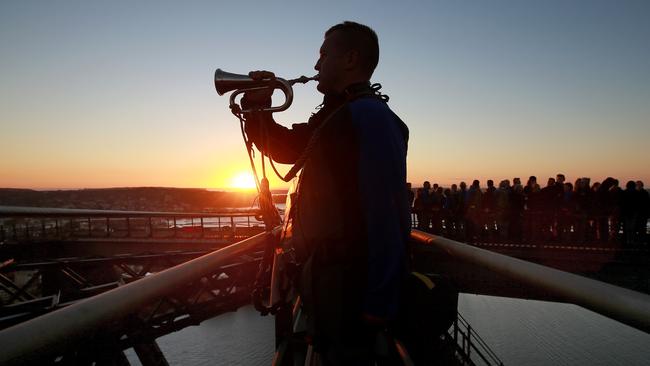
column 137, row 199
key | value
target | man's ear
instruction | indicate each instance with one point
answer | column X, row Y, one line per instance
column 351, row 59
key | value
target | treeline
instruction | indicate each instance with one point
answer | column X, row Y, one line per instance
column 136, row 199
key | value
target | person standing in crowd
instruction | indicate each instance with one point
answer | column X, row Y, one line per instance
column 516, row 209
column 565, row 214
column 453, row 203
column 410, row 194
column 487, row 208
column 436, row 210
column 615, row 195
column 641, row 226
column 462, row 211
column 630, row 210
column 502, row 209
column 422, row 207
column 532, row 204
column 548, row 200
column 582, row 199
column 473, row 213
column 602, row 208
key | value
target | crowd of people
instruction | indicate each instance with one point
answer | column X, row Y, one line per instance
column 561, row 212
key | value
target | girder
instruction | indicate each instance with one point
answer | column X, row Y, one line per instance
column 41, row 275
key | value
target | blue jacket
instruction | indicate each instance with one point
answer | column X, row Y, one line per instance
column 351, row 222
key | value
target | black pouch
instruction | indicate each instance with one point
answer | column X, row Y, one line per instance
column 428, row 307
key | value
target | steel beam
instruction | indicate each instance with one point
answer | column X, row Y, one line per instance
column 66, row 327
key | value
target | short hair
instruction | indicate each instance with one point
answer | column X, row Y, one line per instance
column 361, row 38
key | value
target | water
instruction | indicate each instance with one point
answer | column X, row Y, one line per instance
column 528, row 332
column 521, row 332
column 240, row 338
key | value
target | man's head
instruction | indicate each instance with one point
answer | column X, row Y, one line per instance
column 349, row 54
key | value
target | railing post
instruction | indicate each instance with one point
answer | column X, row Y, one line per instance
column 90, row 228
column 56, row 227
column 42, row 228
column 150, row 228
column 232, row 225
column 202, row 228
column 175, row 226
column 469, row 340
column 108, row 227
column 128, row 227
column 13, row 227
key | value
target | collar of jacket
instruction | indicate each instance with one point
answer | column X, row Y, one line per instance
column 353, row 91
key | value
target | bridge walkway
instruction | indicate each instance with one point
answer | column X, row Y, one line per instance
column 133, row 317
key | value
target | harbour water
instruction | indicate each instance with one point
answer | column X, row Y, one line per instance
column 521, row 332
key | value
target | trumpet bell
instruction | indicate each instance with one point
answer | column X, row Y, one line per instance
column 226, row 82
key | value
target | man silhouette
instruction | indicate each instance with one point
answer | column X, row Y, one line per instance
column 351, row 218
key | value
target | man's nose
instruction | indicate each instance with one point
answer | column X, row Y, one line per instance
column 317, row 66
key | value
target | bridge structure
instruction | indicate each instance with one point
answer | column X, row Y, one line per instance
column 82, row 286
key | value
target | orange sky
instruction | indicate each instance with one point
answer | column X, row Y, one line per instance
column 114, row 95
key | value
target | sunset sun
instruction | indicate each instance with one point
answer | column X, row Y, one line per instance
column 243, row 180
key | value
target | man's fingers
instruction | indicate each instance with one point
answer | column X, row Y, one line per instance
column 261, row 74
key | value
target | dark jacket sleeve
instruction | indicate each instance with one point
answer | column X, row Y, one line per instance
column 282, row 144
column 382, row 182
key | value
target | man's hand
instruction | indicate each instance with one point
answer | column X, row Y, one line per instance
column 261, row 75
column 260, row 98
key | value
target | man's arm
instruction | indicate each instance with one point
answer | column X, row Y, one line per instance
column 382, row 177
column 282, row 144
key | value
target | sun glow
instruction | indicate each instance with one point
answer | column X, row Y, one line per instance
column 243, row 180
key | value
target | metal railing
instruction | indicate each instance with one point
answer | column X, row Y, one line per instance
column 470, row 345
column 535, row 227
column 34, row 224
column 626, row 306
column 68, row 326
column 63, row 328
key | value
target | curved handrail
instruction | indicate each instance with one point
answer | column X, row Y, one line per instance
column 626, row 306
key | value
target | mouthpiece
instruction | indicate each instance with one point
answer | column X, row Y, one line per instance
column 302, row 80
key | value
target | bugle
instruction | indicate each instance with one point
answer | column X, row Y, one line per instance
column 226, row 82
